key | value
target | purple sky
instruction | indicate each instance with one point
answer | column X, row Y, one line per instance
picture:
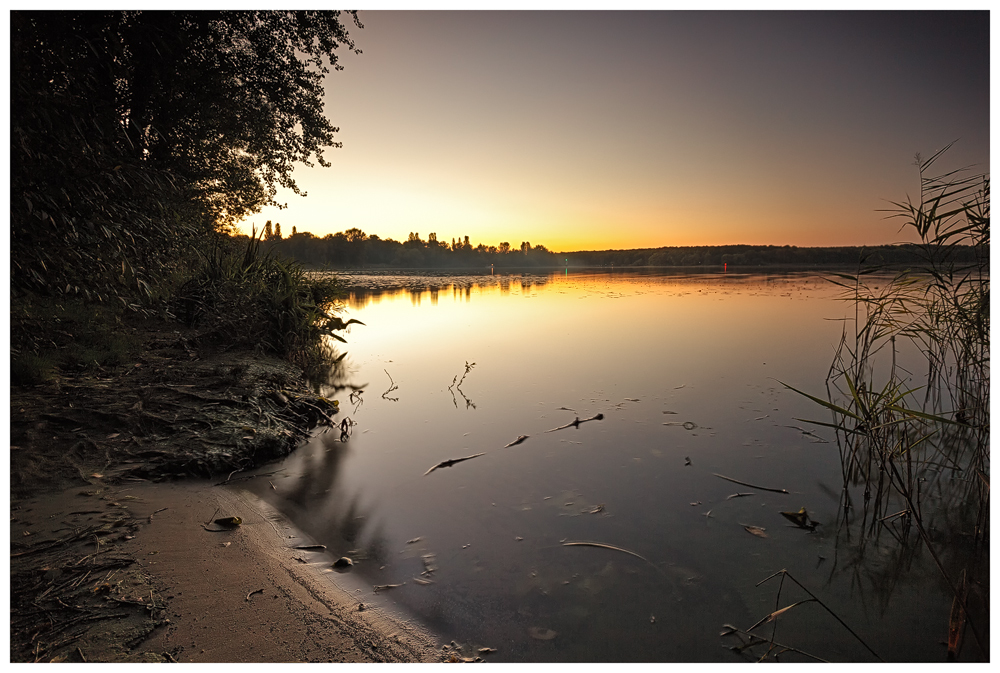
column 584, row 130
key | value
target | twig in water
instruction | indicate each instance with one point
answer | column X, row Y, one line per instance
column 777, row 613
column 346, row 426
column 383, row 587
column 457, row 385
column 809, row 434
column 355, row 399
column 784, row 573
column 577, row 422
column 449, row 463
column 605, row 546
column 392, row 386
column 517, row 441
column 743, row 483
column 757, row 640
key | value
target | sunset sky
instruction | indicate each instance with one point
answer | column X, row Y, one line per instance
column 596, row 130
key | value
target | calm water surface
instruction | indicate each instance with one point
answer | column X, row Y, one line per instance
column 685, row 370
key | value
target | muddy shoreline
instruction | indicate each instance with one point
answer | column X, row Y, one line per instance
column 110, row 559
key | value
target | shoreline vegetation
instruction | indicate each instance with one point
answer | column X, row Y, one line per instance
column 914, row 446
column 356, row 250
column 146, row 343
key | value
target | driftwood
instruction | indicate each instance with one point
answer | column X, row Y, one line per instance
column 577, row 422
column 605, row 546
column 383, row 587
column 516, row 441
column 449, row 463
column 743, row 483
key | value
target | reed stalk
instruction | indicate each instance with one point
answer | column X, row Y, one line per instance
column 915, row 444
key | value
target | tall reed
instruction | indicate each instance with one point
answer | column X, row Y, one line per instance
column 250, row 298
column 915, row 445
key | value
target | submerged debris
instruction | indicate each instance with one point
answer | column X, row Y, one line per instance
column 539, row 633
column 449, row 463
column 743, row 483
column 604, row 546
column 801, row 519
column 383, row 587
column 577, row 422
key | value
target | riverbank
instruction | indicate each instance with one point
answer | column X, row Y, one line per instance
column 110, row 557
column 149, row 581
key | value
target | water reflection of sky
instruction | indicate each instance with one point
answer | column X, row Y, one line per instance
column 686, row 372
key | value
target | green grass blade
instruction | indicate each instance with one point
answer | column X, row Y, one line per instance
column 824, row 403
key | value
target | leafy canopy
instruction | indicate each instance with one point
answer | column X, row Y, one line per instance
column 135, row 133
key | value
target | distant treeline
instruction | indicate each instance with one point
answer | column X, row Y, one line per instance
column 354, row 249
column 765, row 255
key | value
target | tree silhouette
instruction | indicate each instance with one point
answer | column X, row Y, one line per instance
column 135, row 132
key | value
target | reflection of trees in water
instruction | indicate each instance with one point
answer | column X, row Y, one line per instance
column 417, row 288
column 320, row 505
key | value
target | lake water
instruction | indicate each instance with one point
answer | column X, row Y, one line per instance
column 686, row 371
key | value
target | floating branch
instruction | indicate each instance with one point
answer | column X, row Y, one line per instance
column 754, row 640
column 808, row 434
column 456, row 384
column 743, row 483
column 383, row 587
column 449, row 463
column 577, row 422
column 606, row 546
column 355, row 398
column 517, row 441
column 784, row 573
column 392, row 386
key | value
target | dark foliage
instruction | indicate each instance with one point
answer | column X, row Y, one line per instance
column 355, row 249
column 134, row 134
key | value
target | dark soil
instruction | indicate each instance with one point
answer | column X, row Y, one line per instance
column 178, row 410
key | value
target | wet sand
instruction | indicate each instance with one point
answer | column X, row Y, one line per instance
column 240, row 595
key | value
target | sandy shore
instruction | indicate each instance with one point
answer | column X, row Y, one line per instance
column 241, row 595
